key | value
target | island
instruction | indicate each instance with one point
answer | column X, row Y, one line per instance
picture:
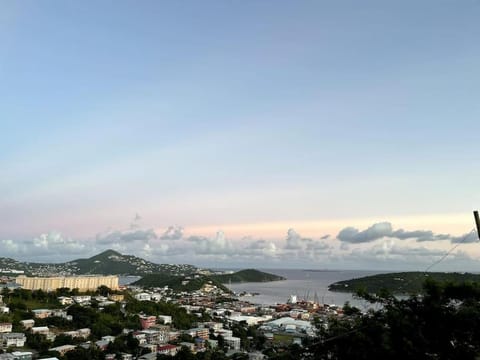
column 401, row 283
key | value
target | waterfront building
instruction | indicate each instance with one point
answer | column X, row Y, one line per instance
column 82, row 283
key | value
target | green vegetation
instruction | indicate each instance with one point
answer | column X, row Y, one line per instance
column 400, row 283
column 444, row 323
column 248, row 275
column 181, row 319
column 109, row 262
column 178, row 283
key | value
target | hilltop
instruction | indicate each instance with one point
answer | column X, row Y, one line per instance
column 401, row 283
column 190, row 283
column 109, row 262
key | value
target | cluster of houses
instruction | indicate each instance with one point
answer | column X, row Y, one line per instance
column 157, row 335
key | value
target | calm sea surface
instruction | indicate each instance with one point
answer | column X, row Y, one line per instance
column 304, row 284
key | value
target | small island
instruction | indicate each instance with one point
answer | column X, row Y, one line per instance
column 401, row 283
column 247, row 275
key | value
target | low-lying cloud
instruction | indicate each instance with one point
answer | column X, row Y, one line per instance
column 385, row 230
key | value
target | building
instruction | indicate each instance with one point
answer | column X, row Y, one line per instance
column 4, row 309
column 27, row 324
column 167, row 350
column 62, row 350
column 147, row 321
column 42, row 313
column 12, row 339
column 44, row 330
column 22, row 355
column 65, row 300
column 5, row 327
column 202, row 333
column 116, row 297
column 143, row 297
column 82, row 283
column 165, row 319
column 232, row 342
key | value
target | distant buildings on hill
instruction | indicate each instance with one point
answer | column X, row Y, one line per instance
column 82, row 283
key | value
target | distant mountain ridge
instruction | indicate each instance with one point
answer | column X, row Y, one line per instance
column 109, row 262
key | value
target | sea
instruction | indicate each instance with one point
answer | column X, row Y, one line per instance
column 303, row 284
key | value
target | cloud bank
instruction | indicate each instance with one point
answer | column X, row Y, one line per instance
column 378, row 246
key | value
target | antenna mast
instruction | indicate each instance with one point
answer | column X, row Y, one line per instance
column 477, row 222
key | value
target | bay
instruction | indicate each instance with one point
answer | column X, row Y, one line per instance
column 304, row 284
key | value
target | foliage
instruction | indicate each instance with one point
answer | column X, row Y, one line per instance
column 400, row 283
column 248, row 275
column 181, row 319
column 442, row 324
column 178, row 283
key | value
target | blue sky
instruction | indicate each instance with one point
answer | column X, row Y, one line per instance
column 250, row 118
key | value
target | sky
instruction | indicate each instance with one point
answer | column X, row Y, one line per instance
column 320, row 134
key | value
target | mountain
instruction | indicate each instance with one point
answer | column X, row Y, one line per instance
column 109, row 262
column 400, row 283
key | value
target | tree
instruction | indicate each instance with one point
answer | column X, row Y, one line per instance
column 443, row 324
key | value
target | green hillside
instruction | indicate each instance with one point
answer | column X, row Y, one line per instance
column 108, row 262
column 248, row 275
column 402, row 282
column 178, row 283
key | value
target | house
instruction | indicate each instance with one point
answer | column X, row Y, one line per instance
column 82, row 299
column 4, row 309
column 232, row 342
column 27, row 324
column 44, row 330
column 148, row 356
column 167, row 349
column 125, row 356
column 62, row 350
column 62, row 313
column 65, row 300
column 116, row 297
column 108, row 338
column 42, row 313
column 147, row 321
column 102, row 345
column 5, row 327
column 165, row 319
column 143, row 297
column 12, row 339
column 202, row 333
column 155, row 336
column 22, row 355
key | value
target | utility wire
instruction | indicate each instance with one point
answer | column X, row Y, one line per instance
column 353, row 331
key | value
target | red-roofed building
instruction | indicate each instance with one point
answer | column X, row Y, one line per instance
column 167, row 350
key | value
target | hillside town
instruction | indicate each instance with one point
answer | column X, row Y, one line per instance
column 132, row 322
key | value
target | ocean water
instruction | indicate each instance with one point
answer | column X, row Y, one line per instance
column 304, row 284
